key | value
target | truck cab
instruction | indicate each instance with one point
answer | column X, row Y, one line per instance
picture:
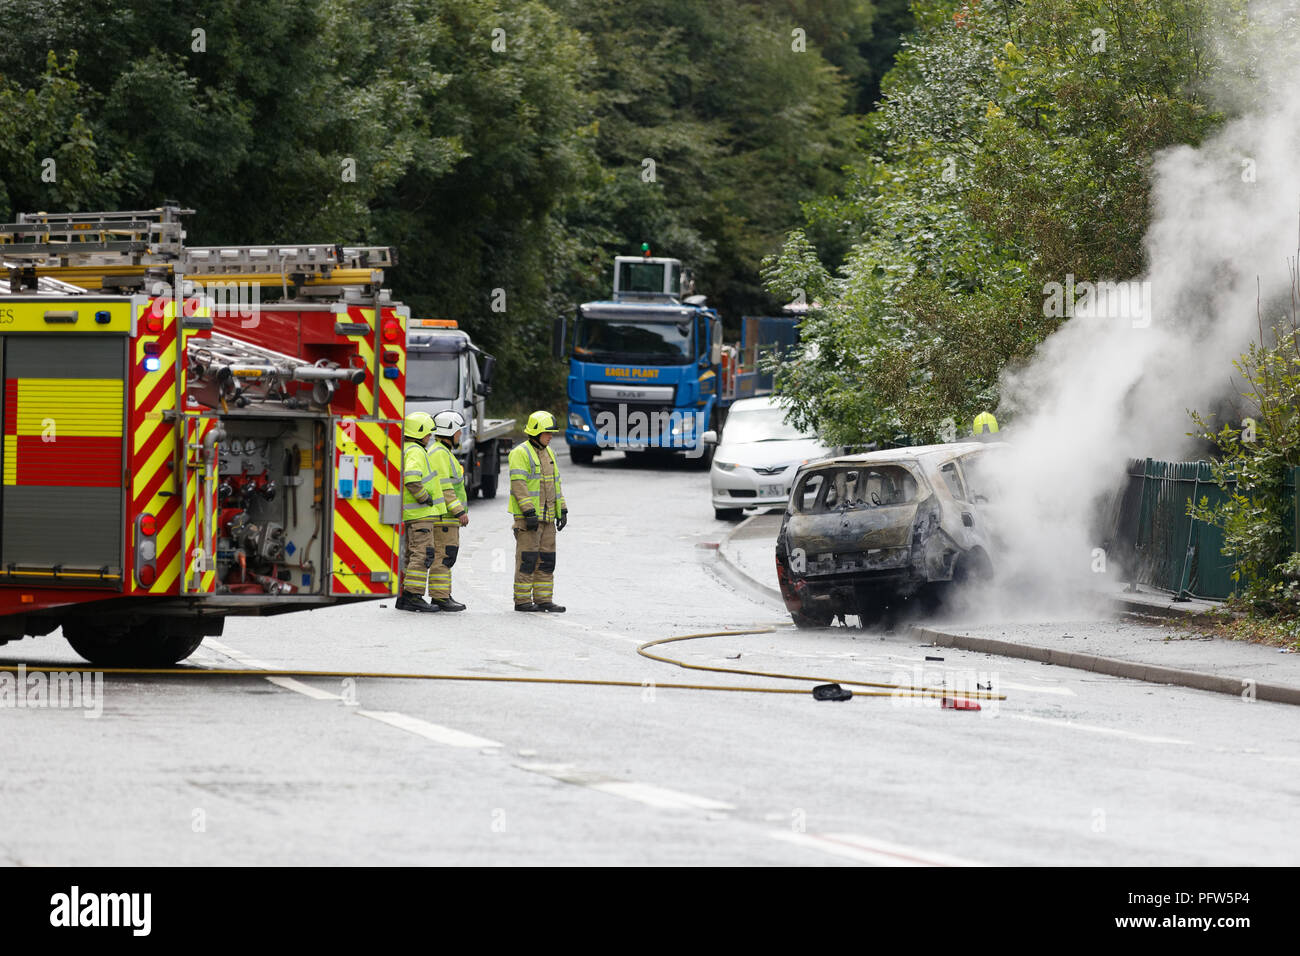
column 644, row 368
column 443, row 373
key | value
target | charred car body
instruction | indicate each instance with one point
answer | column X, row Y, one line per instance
column 862, row 533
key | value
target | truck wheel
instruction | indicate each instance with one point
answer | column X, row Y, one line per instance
column 142, row 646
column 727, row 514
column 488, row 485
column 582, row 456
column 803, row 619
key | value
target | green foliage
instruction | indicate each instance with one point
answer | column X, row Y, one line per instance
column 1253, row 462
column 49, row 154
column 498, row 145
column 1010, row 150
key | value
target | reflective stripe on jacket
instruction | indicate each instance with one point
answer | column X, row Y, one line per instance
column 526, row 481
column 415, row 468
column 451, row 479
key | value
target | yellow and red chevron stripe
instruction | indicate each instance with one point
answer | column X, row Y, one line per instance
column 363, row 545
column 365, row 406
column 392, row 391
column 200, row 555
column 155, row 457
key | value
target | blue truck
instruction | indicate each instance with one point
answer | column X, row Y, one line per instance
column 648, row 369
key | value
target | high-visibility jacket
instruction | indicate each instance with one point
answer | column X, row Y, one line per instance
column 451, row 481
column 526, row 481
column 415, row 468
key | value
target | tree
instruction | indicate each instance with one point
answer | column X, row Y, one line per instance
column 1011, row 149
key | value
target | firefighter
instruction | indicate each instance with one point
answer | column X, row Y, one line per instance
column 422, row 503
column 984, row 423
column 537, row 502
column 448, row 426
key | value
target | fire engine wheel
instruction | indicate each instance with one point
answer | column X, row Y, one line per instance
column 582, row 456
column 488, row 486
column 144, row 646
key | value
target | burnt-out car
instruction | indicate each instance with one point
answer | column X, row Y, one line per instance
column 863, row 533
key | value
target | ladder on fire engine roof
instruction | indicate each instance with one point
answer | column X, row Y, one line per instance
column 122, row 251
column 226, row 370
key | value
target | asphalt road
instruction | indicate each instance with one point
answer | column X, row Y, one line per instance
column 1071, row 769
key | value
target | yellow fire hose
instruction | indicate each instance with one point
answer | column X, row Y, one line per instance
column 886, row 690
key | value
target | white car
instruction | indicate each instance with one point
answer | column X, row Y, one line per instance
column 757, row 458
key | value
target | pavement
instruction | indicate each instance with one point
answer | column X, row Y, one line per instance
column 1135, row 635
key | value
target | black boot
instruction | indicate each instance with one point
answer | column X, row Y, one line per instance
column 448, row 604
column 530, row 606
column 414, row 602
column 552, row 607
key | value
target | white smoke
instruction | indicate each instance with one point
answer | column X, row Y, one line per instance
column 1100, row 391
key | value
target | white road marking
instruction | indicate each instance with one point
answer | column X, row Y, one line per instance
column 653, row 796
column 240, row 656
column 1101, row 730
column 288, row 683
column 867, row 850
column 659, row 796
column 565, row 622
column 435, row 732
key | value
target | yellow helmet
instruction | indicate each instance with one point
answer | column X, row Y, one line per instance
column 985, row 421
column 418, row 425
column 539, row 422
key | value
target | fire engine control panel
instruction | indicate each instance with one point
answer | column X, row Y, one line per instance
column 268, row 518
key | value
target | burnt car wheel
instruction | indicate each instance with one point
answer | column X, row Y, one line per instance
column 804, row 619
column 972, row 568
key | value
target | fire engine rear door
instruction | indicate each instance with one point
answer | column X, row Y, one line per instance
column 62, row 498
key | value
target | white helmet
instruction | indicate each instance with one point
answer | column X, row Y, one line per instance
column 446, row 424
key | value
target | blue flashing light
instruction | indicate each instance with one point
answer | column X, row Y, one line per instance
column 152, row 363
column 103, row 317
column 391, row 372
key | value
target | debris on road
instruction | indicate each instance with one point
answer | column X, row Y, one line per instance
column 831, row 692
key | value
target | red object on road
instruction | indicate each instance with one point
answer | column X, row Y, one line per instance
column 958, row 703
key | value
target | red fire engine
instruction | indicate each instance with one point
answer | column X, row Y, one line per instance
column 176, row 450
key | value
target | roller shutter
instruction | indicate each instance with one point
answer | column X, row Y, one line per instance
column 62, row 498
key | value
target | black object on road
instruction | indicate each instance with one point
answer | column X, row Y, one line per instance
column 831, row 692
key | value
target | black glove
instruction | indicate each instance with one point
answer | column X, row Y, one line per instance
column 562, row 520
column 530, row 520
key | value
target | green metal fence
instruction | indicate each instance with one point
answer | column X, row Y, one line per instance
column 1162, row 546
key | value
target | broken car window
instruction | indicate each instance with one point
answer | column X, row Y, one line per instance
column 953, row 480
column 808, row 492
column 849, row 489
